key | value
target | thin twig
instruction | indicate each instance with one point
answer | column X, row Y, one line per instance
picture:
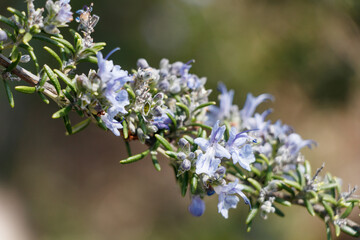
column 30, row 78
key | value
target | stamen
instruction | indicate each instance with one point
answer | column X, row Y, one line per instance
column 110, row 53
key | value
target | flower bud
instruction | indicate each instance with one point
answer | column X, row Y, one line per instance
column 197, row 206
column 25, row 59
column 181, row 155
column 3, row 35
column 142, row 63
column 185, row 165
column 182, row 142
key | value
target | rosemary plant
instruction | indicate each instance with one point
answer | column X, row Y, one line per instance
column 221, row 151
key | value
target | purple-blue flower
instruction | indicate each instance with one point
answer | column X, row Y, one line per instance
column 111, row 74
column 111, row 123
column 224, row 111
column 241, row 152
column 208, row 162
column 64, row 15
column 294, row 143
column 162, row 121
column 258, row 122
column 252, row 102
column 197, row 206
column 227, row 197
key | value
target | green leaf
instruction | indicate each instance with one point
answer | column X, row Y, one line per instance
column 64, row 42
column 337, row 230
column 66, row 80
column 328, row 209
column 55, row 55
column 100, row 122
column 80, row 126
column 9, row 23
column 185, row 108
column 130, row 91
column 15, row 62
column 9, row 94
column 27, row 37
column 293, row 184
column 135, row 158
column 194, row 184
column 278, row 212
column 164, row 142
column 328, row 231
column 62, row 112
column 189, row 139
column 200, row 125
column 329, row 198
column 172, row 119
column 90, row 59
column 48, row 40
column 42, row 80
column 307, row 167
column 327, row 186
column 125, row 129
column 204, row 105
column 254, row 183
column 252, row 214
column 184, row 183
column 350, row 231
column 17, row 13
column 309, row 207
column 25, row 89
column 155, row 161
column 171, row 154
column 67, row 124
column 43, row 98
column 347, row 211
column 53, row 78
column 283, row 202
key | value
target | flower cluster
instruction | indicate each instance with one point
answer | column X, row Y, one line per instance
column 214, row 150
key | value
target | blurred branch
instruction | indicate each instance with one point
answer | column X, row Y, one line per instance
column 28, row 77
column 318, row 208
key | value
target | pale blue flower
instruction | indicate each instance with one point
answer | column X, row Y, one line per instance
column 258, row 122
column 214, row 151
column 227, row 197
column 111, row 74
column 64, row 14
column 251, row 104
column 224, row 111
column 3, row 35
column 117, row 99
column 279, row 130
column 197, row 206
column 111, row 123
column 162, row 121
column 294, row 143
column 241, row 152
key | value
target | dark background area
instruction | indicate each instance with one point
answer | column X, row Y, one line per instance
column 305, row 53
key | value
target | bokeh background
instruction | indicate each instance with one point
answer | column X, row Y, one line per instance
column 305, row 53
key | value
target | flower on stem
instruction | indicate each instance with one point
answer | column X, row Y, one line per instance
column 294, row 143
column 197, row 206
column 227, row 197
column 111, row 123
column 226, row 109
column 240, row 151
column 59, row 15
column 214, row 151
column 251, row 104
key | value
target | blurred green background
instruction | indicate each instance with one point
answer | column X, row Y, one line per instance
column 305, row 53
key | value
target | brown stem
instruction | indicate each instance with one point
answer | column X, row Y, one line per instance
column 30, row 78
